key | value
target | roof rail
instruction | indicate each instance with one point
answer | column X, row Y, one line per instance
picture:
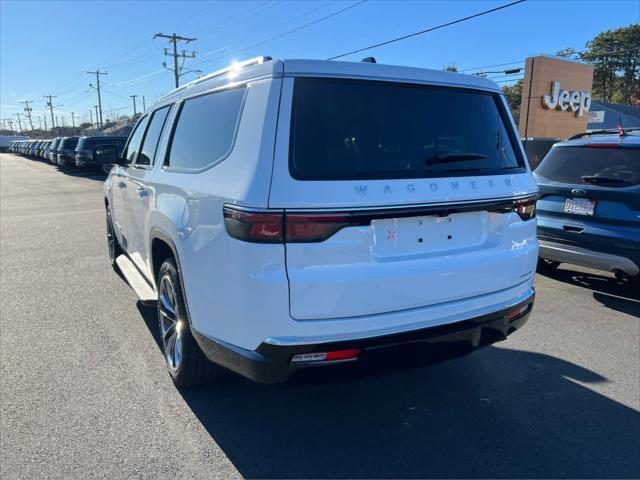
column 605, row 131
column 234, row 67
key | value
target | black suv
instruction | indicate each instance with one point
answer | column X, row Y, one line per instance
column 84, row 150
column 66, row 151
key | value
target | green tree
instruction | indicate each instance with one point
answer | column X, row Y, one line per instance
column 615, row 55
column 568, row 52
column 513, row 94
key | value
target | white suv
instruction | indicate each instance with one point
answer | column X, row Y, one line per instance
column 297, row 213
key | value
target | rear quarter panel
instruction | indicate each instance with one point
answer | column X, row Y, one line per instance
column 230, row 289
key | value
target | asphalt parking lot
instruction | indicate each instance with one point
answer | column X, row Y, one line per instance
column 84, row 391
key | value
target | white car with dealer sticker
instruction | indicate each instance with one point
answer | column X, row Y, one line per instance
column 287, row 214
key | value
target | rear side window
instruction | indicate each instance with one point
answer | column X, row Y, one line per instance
column 70, row 143
column 205, row 130
column 592, row 165
column 150, row 143
column 357, row 130
column 135, row 140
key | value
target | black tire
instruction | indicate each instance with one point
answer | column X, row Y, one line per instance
column 113, row 247
column 191, row 367
column 546, row 266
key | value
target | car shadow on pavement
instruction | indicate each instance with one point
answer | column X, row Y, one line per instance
column 495, row 413
column 624, row 305
column 84, row 173
column 612, row 293
column 600, row 283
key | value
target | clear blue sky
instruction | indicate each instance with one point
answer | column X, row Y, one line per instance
column 46, row 47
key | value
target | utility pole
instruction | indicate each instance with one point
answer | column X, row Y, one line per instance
column 97, row 74
column 97, row 121
column 73, row 120
column 173, row 38
column 50, row 105
column 28, row 110
column 134, row 104
column 45, row 121
column 39, row 122
column 19, row 122
column 91, row 116
column 144, row 105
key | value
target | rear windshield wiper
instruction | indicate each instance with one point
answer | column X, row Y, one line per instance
column 598, row 179
column 454, row 157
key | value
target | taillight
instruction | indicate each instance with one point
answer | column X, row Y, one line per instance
column 278, row 227
column 258, row 227
column 332, row 356
column 525, row 208
column 313, row 227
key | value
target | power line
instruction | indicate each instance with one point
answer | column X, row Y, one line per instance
column 280, row 35
column 584, row 53
column 431, row 29
column 174, row 39
column 490, row 66
column 142, row 79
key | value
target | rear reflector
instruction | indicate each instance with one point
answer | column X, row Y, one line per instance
column 336, row 355
column 518, row 313
column 525, row 208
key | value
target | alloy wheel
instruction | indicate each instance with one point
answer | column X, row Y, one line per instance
column 170, row 325
column 111, row 239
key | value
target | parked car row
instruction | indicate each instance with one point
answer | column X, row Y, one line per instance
column 73, row 151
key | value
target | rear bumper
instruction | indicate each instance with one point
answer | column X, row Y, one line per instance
column 271, row 361
column 66, row 160
column 588, row 257
column 83, row 161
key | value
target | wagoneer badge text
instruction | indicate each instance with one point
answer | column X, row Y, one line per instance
column 454, row 186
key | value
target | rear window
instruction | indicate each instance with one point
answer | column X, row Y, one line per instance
column 357, row 130
column 68, row 143
column 591, row 165
column 88, row 143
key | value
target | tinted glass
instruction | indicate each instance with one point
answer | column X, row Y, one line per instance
column 87, row 143
column 136, row 138
column 350, row 129
column 573, row 164
column 150, row 143
column 206, row 129
column 69, row 143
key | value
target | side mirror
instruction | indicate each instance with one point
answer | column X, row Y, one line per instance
column 107, row 155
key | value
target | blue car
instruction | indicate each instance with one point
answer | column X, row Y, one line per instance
column 589, row 203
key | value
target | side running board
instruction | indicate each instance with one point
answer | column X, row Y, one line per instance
column 136, row 281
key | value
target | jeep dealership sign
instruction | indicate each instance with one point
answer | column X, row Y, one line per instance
column 578, row 102
column 556, row 97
